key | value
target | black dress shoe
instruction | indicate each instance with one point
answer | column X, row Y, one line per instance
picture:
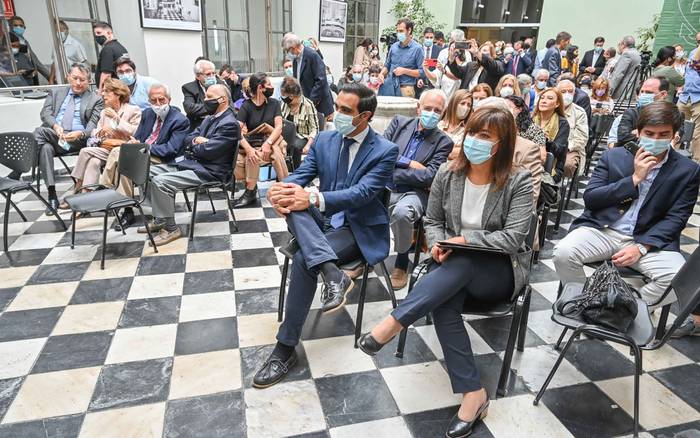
column 249, row 197
column 127, row 220
column 53, row 202
column 460, row 429
column 369, row 345
column 334, row 293
column 273, row 370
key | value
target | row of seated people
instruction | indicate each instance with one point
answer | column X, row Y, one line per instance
column 635, row 209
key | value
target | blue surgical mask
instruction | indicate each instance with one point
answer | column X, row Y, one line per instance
column 209, row 81
column 357, row 77
column 289, row 71
column 478, row 151
column 541, row 85
column 429, row 119
column 343, row 123
column 428, row 42
column 598, row 50
column 525, row 90
column 128, row 78
column 654, row 147
column 401, row 36
column 645, row 99
column 307, row 43
column 18, row 30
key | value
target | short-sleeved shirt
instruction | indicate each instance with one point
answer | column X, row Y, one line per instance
column 111, row 51
column 409, row 56
column 253, row 116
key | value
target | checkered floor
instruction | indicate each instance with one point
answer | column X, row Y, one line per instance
column 166, row 345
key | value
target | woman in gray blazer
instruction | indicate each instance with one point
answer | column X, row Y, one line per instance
column 477, row 199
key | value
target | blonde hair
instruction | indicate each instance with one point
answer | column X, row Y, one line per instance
column 516, row 85
column 118, row 88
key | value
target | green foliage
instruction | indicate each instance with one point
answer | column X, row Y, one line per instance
column 418, row 12
column 646, row 35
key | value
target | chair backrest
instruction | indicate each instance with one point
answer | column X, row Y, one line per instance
column 534, row 222
column 18, row 151
column 688, row 128
column 135, row 162
column 321, row 121
column 686, row 285
column 289, row 132
column 549, row 163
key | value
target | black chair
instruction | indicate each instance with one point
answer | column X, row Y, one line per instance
column 18, row 153
column 544, row 209
column 134, row 163
column 206, row 186
column 321, row 121
column 518, row 307
column 348, row 266
column 289, row 134
column 641, row 335
column 565, row 196
column 602, row 127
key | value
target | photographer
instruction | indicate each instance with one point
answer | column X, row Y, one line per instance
column 485, row 68
column 404, row 61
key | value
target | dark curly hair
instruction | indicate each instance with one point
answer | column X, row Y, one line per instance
column 522, row 120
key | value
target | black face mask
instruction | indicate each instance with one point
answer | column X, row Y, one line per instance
column 287, row 100
column 267, row 92
column 101, row 39
column 211, row 105
column 23, row 48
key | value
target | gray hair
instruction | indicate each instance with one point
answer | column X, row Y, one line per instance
column 628, row 41
column 290, row 40
column 433, row 92
column 82, row 68
column 226, row 90
column 524, row 79
column 542, row 70
column 494, row 102
column 161, row 86
column 457, row 35
column 199, row 66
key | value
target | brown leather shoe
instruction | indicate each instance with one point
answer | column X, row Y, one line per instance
column 164, row 237
column 355, row 273
column 399, row 279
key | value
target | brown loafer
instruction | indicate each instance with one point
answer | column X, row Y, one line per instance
column 355, row 273
column 164, row 237
column 399, row 279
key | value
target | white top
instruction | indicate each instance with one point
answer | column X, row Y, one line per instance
column 473, row 203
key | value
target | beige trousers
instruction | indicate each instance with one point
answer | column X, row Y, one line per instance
column 87, row 167
column 692, row 113
column 250, row 172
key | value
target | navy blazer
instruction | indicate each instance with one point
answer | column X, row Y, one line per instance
column 213, row 160
column 313, row 80
column 432, row 153
column 666, row 208
column 587, row 61
column 361, row 200
column 552, row 63
column 524, row 64
column 172, row 134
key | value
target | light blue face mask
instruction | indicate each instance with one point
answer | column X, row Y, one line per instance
column 541, row 85
column 428, row 42
column 645, row 99
column 598, row 50
column 357, row 77
column 289, row 71
column 343, row 123
column 128, row 78
column 654, row 147
column 401, row 36
column 478, row 151
column 18, row 30
column 307, row 43
column 209, row 81
column 429, row 119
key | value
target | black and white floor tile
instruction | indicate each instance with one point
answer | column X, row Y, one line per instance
column 167, row 344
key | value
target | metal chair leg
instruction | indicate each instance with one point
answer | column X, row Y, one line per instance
column 561, row 338
column 560, row 208
column 104, row 240
column 387, row 280
column 361, row 305
column 72, row 230
column 510, row 346
column 46, row 203
column 211, row 201
column 187, row 200
column 194, row 214
column 283, row 290
column 637, row 372
column 572, row 187
column 522, row 328
column 121, row 224
column 6, row 221
column 148, row 230
column 555, row 367
column 9, row 201
column 230, row 208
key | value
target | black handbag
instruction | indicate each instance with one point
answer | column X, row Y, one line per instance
column 606, row 300
column 549, row 190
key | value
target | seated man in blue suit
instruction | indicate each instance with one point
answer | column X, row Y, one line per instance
column 345, row 220
column 636, row 207
column 422, row 149
column 208, row 156
column 164, row 128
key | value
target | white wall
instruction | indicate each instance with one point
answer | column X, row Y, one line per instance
column 124, row 18
column 305, row 23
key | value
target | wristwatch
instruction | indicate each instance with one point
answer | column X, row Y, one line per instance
column 313, row 198
column 642, row 249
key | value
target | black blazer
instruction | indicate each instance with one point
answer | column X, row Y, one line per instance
column 194, row 102
column 587, row 61
column 313, row 80
column 491, row 74
column 666, row 208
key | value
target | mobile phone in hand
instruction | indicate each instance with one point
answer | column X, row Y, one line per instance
column 632, row 147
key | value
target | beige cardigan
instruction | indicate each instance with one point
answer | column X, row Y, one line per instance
column 129, row 119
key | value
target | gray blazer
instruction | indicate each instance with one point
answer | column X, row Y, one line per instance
column 505, row 220
column 623, row 72
column 90, row 106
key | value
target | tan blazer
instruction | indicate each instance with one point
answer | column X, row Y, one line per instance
column 362, row 57
column 129, row 119
column 527, row 157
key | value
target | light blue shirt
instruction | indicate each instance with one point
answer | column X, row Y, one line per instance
column 77, row 123
column 139, row 96
column 538, row 59
column 691, row 89
column 628, row 221
column 612, row 134
column 409, row 56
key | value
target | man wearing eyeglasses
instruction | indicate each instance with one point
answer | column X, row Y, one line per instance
column 195, row 91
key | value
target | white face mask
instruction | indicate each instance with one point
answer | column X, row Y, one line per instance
column 506, row 91
column 161, row 110
column 462, row 112
column 568, row 98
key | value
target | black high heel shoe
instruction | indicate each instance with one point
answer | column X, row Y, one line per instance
column 460, row 429
column 369, row 345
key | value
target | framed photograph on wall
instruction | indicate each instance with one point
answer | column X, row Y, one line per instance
column 171, row 14
column 332, row 24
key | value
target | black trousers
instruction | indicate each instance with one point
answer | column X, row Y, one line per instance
column 448, row 289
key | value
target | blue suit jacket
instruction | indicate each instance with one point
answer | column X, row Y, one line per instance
column 524, row 64
column 666, row 208
column 361, row 200
column 552, row 62
column 432, row 153
column 213, row 160
column 172, row 134
column 313, row 80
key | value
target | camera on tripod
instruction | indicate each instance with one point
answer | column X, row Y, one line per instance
column 389, row 39
column 646, row 58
